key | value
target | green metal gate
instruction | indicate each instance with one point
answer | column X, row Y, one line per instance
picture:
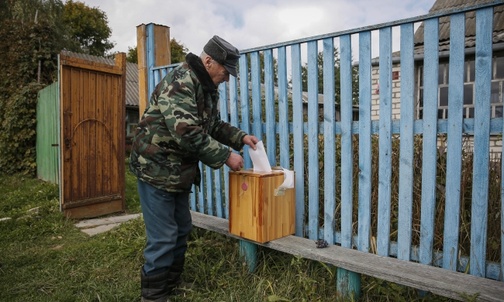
column 47, row 134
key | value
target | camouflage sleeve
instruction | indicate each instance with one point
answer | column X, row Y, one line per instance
column 178, row 105
column 227, row 134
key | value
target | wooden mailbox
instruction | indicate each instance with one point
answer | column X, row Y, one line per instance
column 257, row 210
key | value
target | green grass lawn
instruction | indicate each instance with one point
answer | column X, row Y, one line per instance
column 44, row 257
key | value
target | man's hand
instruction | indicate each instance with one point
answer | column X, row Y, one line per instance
column 235, row 161
column 250, row 140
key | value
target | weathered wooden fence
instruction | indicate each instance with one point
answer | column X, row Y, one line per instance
column 334, row 199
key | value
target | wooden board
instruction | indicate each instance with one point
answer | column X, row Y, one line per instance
column 257, row 211
column 432, row 279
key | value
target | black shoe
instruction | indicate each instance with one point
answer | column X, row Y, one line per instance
column 156, row 287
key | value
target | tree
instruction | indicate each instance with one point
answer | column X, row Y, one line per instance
column 178, row 52
column 31, row 49
column 28, row 11
column 76, row 27
column 87, row 29
column 132, row 55
column 337, row 88
column 34, row 32
column 261, row 67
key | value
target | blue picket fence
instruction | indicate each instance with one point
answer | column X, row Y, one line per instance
column 271, row 77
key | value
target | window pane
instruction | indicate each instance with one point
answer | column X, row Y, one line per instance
column 420, row 75
column 467, row 113
column 447, row 80
column 441, row 74
column 495, row 97
column 499, row 66
column 468, row 94
column 443, row 96
column 470, row 69
column 498, row 111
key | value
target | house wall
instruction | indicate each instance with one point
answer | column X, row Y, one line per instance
column 396, row 92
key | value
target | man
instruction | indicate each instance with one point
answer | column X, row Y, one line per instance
column 181, row 127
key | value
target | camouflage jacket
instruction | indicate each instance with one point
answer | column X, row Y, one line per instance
column 180, row 127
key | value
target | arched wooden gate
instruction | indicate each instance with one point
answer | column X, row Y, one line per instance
column 92, row 149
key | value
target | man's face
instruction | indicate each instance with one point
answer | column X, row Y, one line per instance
column 217, row 72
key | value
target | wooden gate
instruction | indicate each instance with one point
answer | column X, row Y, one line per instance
column 92, row 113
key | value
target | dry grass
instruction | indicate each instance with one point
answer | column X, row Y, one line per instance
column 494, row 205
column 44, row 257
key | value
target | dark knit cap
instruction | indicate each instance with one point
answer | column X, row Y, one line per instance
column 223, row 52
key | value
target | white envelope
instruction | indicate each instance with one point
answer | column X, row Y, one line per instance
column 259, row 158
column 261, row 164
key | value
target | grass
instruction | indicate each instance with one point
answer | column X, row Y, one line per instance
column 44, row 257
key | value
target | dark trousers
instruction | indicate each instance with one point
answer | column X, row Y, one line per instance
column 167, row 223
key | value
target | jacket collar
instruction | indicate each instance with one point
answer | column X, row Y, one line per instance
column 201, row 73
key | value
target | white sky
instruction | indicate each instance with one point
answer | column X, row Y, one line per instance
column 249, row 23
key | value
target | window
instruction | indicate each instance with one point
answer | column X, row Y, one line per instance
column 131, row 122
column 497, row 88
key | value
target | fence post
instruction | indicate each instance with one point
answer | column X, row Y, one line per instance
column 348, row 284
column 248, row 251
column 153, row 49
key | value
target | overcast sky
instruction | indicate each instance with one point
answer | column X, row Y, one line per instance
column 249, row 23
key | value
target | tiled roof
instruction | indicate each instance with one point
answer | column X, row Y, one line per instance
column 131, row 75
column 470, row 27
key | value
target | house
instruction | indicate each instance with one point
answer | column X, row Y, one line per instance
column 497, row 88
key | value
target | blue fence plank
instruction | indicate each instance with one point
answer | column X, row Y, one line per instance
column 157, row 78
column 454, row 156
column 347, row 154
column 406, row 147
column 209, row 190
column 298, row 137
column 220, row 199
column 269, row 96
column 150, row 62
column 201, row 195
column 255, row 71
column 233, row 102
column 283, row 109
column 429, row 148
column 192, row 198
column 244, row 104
column 313, row 139
column 365, row 173
column 385, row 142
column 329, row 144
column 233, row 119
column 479, row 209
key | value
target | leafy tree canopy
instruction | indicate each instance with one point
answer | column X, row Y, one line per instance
column 178, row 52
column 337, row 85
column 33, row 33
column 88, row 29
column 27, row 11
column 132, row 55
